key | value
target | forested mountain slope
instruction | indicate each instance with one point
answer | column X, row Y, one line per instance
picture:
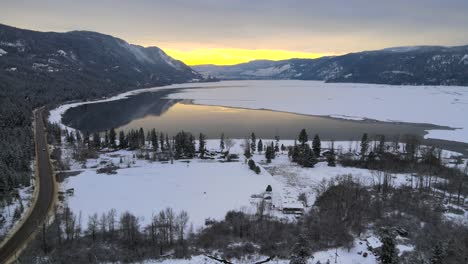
column 39, row 68
column 419, row 65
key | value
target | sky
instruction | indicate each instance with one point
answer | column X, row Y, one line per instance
column 227, row 32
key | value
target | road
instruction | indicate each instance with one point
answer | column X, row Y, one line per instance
column 45, row 197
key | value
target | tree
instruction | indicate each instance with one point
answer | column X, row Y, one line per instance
column 388, row 253
column 269, row 153
column 253, row 142
column 364, row 145
column 277, row 147
column 437, row 254
column 316, row 145
column 331, row 158
column 283, row 148
column 303, row 137
column 269, row 189
column 202, row 144
column 221, row 142
column 161, row 141
column 96, row 140
column 154, row 139
column 112, row 136
column 141, row 137
column 122, row 142
column 381, row 146
column 301, row 251
column 247, row 152
column 260, row 146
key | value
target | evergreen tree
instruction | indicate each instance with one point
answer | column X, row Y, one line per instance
column 71, row 138
column 316, row 145
column 96, row 140
column 202, row 144
column 161, row 141
column 381, row 146
column 247, row 152
column 437, row 254
column 253, row 142
column 141, row 137
column 86, row 139
column 388, row 253
column 154, row 139
column 221, row 142
column 78, row 137
column 270, row 152
column 112, row 136
column 364, row 145
column 301, row 251
column 303, row 137
column 260, row 146
column 168, row 143
column 331, row 158
column 283, row 148
column 122, row 141
column 277, row 148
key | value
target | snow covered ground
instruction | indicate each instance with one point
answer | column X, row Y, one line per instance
column 7, row 210
column 203, row 188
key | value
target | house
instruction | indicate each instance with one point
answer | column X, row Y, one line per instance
column 293, row 208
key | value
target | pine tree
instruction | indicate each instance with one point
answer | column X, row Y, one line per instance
column 141, row 137
column 283, row 148
column 303, row 137
column 221, row 142
column 161, row 141
column 260, row 146
column 381, row 146
column 277, row 147
column 86, row 139
column 301, row 251
column 437, row 254
column 388, row 253
column 202, row 144
column 96, row 141
column 112, row 136
column 316, row 145
column 154, row 139
column 364, row 145
column 331, row 158
column 247, row 152
column 122, row 141
column 253, row 142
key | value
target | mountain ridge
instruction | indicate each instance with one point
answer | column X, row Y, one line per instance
column 410, row 65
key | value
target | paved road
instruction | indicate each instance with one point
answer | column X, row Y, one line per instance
column 44, row 199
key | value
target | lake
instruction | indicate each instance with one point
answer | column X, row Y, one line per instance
column 154, row 110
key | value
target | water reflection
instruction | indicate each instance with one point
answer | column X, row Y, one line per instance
column 151, row 110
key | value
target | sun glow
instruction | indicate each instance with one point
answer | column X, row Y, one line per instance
column 220, row 56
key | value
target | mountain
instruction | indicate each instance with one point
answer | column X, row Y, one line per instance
column 418, row 65
column 81, row 64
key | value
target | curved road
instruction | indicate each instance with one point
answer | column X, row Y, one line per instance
column 45, row 198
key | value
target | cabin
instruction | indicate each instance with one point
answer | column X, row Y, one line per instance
column 293, row 208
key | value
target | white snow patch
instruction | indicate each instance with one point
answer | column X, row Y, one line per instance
column 3, row 52
column 268, row 71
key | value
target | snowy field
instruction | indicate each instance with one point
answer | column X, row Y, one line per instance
column 440, row 105
column 203, row 188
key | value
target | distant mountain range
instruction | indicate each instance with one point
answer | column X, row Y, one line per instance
column 418, row 65
column 82, row 64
